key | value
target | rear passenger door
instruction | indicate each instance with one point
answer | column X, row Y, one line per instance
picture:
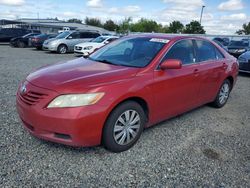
column 212, row 65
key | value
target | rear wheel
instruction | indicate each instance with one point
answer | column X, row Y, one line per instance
column 21, row 44
column 123, row 127
column 62, row 49
column 223, row 94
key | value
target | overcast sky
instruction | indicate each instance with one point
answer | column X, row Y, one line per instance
column 220, row 16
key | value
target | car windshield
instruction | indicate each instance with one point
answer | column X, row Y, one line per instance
column 98, row 39
column 63, row 35
column 239, row 43
column 131, row 52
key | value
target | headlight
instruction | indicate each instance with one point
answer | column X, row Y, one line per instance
column 88, row 47
column 75, row 100
column 53, row 43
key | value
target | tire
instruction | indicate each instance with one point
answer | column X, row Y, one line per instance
column 21, row 44
column 222, row 95
column 39, row 48
column 62, row 49
column 120, row 135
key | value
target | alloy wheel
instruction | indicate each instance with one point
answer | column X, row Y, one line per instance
column 224, row 93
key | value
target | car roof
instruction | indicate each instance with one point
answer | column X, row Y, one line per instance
column 166, row 36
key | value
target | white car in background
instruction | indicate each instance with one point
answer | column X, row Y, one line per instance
column 86, row 48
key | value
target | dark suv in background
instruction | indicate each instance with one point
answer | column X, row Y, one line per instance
column 8, row 33
column 236, row 48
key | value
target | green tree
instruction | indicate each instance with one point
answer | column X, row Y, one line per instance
column 124, row 27
column 145, row 25
column 245, row 29
column 174, row 27
column 93, row 21
column 110, row 25
column 75, row 20
column 194, row 27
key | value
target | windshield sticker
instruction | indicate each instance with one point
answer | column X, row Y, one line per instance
column 159, row 40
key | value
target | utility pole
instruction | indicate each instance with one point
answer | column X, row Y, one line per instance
column 202, row 12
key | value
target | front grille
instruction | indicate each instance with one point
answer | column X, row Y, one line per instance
column 78, row 47
column 31, row 97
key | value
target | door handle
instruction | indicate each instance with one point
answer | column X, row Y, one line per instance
column 196, row 71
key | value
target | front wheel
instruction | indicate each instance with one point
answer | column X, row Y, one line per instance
column 21, row 44
column 223, row 94
column 123, row 127
column 62, row 49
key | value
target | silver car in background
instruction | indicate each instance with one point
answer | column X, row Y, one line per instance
column 66, row 41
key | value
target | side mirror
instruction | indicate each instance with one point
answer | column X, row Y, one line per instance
column 106, row 42
column 69, row 37
column 171, row 64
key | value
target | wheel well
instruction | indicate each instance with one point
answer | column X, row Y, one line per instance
column 231, row 80
column 62, row 44
column 139, row 100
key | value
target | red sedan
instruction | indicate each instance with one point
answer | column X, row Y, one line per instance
column 124, row 87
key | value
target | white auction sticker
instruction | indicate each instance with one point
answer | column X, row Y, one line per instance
column 159, row 40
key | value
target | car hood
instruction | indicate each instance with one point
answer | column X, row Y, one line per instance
column 246, row 55
column 79, row 74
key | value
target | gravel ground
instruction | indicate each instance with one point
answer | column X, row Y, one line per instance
column 206, row 147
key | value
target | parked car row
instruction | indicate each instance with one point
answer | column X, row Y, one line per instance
column 81, row 42
column 239, row 49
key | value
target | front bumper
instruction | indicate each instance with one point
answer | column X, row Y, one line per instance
column 80, row 126
column 81, row 52
column 51, row 48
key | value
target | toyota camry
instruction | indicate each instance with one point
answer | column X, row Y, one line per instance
column 119, row 90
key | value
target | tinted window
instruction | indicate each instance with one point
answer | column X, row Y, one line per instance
column 94, row 35
column 75, row 35
column 205, row 51
column 182, row 50
column 111, row 39
column 87, row 35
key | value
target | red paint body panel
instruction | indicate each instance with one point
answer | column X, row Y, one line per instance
column 166, row 92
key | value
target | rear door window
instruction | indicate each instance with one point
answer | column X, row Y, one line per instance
column 206, row 51
column 75, row 35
